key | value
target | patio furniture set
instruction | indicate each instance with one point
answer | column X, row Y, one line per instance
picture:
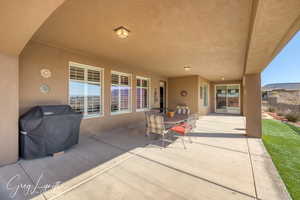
column 47, row 130
column 181, row 123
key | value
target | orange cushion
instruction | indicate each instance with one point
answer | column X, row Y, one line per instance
column 179, row 129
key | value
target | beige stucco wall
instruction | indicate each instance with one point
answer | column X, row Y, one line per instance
column 213, row 95
column 37, row 56
column 191, row 84
column 9, row 109
column 178, row 84
column 252, row 95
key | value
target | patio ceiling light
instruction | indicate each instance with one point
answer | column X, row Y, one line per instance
column 122, row 32
column 187, row 68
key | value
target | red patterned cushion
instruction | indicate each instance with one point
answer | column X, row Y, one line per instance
column 179, row 129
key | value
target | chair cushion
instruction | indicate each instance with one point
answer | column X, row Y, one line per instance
column 155, row 124
column 186, row 125
column 179, row 129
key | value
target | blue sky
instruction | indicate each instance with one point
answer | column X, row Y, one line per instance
column 286, row 65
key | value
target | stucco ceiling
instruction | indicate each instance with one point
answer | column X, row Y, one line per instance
column 274, row 24
column 166, row 35
column 19, row 20
column 217, row 38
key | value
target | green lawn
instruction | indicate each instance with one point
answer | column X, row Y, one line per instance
column 283, row 143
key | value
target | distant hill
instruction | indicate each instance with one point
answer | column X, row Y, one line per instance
column 281, row 86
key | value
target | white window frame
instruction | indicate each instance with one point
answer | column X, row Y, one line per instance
column 130, row 93
column 101, row 83
column 149, row 93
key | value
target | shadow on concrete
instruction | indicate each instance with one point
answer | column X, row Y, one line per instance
column 218, row 135
column 91, row 152
column 240, row 129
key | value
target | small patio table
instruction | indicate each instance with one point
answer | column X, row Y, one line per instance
column 177, row 119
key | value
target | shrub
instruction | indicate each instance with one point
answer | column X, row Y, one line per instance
column 293, row 117
column 271, row 109
column 280, row 114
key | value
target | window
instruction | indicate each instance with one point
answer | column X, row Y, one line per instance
column 201, row 92
column 85, row 89
column 142, row 93
column 205, row 95
column 120, row 92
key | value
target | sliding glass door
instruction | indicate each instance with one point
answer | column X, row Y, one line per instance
column 228, row 99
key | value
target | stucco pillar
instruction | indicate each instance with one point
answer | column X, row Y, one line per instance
column 252, row 103
column 9, row 106
column 244, row 97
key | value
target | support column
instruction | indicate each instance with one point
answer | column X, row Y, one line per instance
column 9, row 106
column 252, row 104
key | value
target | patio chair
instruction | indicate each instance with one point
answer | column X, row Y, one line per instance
column 147, row 115
column 155, row 124
column 186, row 128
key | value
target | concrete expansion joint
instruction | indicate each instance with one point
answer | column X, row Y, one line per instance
column 252, row 169
column 179, row 170
column 111, row 164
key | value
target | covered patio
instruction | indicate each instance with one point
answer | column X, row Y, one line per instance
column 111, row 61
column 221, row 163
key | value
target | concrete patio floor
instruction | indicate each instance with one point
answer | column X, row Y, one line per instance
column 221, row 163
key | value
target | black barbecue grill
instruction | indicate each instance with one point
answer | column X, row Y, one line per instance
column 45, row 130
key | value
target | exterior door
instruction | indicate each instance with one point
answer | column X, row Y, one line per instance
column 228, row 99
column 162, row 94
